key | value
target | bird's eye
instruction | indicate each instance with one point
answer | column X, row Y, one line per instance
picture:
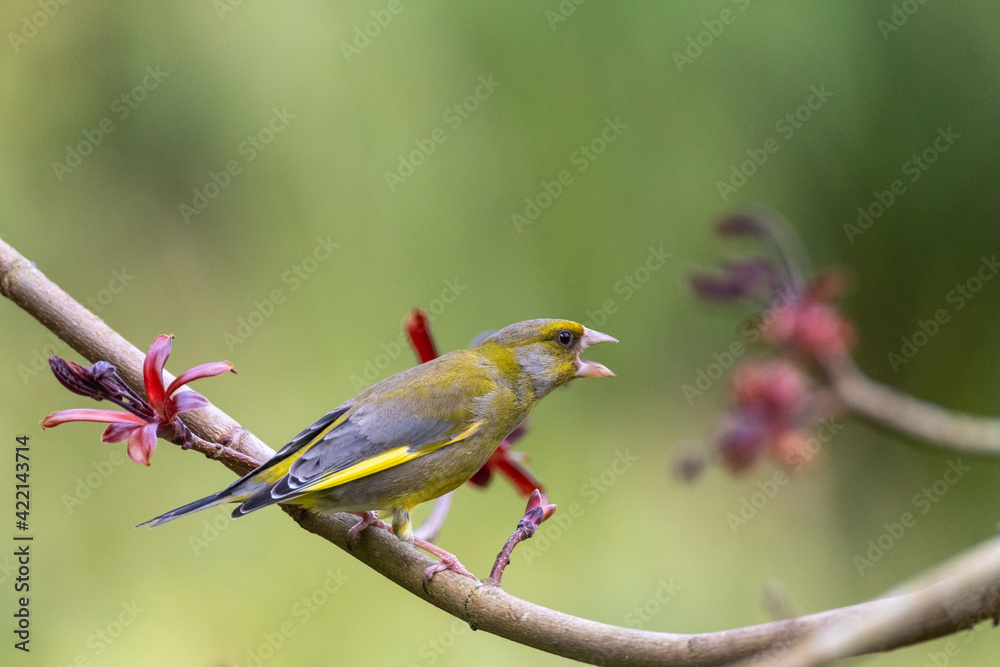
column 564, row 338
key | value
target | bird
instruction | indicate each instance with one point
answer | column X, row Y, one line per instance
column 416, row 435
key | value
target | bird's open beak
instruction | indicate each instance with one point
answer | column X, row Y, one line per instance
column 592, row 369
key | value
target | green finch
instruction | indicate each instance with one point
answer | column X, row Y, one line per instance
column 418, row 434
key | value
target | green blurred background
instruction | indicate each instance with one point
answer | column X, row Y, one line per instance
column 331, row 111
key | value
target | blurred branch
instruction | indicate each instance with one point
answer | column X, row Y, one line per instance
column 970, row 576
column 483, row 605
column 921, row 419
column 772, row 399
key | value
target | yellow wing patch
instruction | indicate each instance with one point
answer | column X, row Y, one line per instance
column 277, row 468
column 383, row 461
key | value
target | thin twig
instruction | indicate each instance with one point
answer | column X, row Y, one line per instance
column 537, row 511
column 484, row 606
column 886, row 406
column 235, row 460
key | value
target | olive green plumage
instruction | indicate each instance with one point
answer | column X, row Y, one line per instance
column 418, row 434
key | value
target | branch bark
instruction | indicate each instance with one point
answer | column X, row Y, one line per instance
column 483, row 605
column 921, row 419
column 25, row 285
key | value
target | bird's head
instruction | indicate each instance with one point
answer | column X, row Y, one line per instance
column 548, row 351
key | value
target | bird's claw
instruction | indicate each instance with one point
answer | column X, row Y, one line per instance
column 365, row 519
column 448, row 562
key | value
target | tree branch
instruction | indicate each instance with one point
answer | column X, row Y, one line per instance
column 25, row 285
column 921, row 419
column 903, row 616
column 483, row 605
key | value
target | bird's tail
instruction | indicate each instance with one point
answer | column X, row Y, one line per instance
column 258, row 482
column 228, row 495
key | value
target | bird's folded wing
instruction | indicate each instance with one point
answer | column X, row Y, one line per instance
column 409, row 416
column 335, row 476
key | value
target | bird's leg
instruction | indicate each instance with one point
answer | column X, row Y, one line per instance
column 430, row 528
column 448, row 561
column 365, row 519
column 403, row 529
column 401, row 526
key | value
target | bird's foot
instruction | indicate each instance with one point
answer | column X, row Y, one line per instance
column 365, row 519
column 448, row 561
